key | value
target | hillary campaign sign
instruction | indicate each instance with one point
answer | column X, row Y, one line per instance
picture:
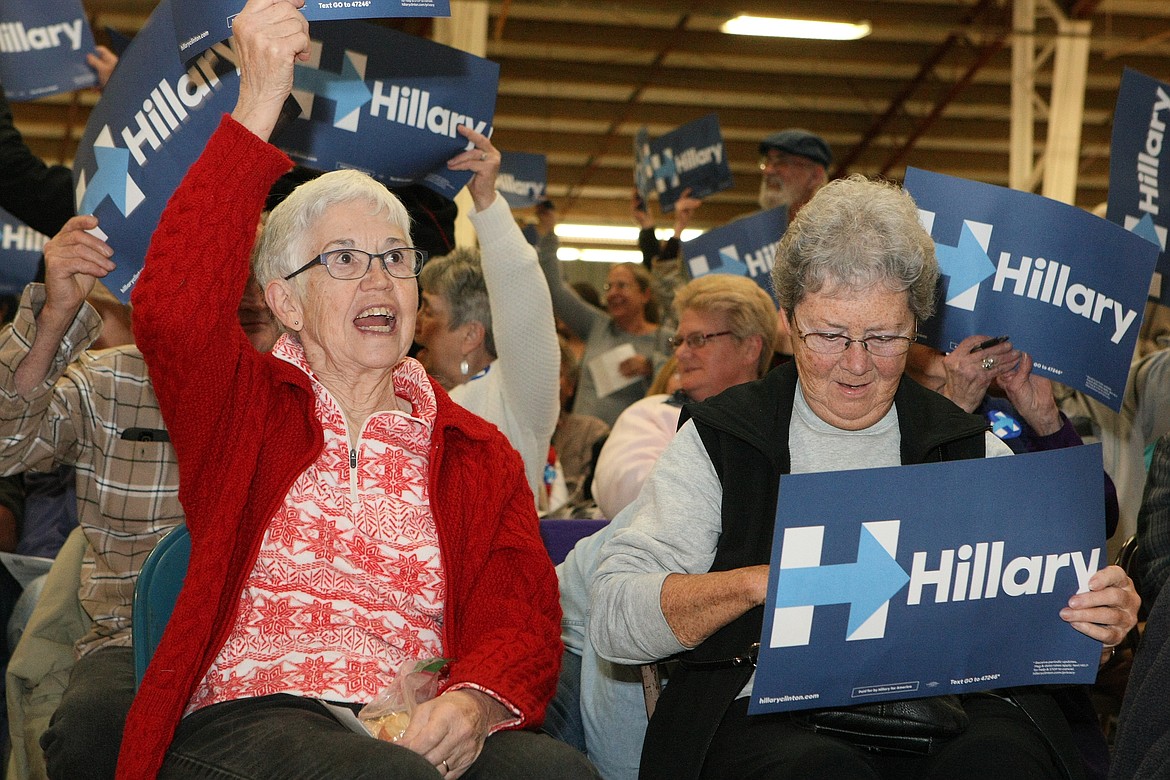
column 20, row 253
column 745, row 246
column 156, row 115
column 43, row 44
column 152, row 122
column 912, row 581
column 1068, row 287
column 691, row 156
column 201, row 23
column 523, row 178
column 1137, row 178
column 389, row 104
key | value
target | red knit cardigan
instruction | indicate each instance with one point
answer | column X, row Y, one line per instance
column 244, row 427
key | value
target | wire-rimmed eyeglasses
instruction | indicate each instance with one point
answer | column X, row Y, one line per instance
column 402, row 262
column 783, row 159
column 695, row 340
column 837, row 343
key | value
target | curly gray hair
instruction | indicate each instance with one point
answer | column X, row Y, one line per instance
column 857, row 232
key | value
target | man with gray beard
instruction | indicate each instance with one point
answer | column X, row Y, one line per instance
column 794, row 165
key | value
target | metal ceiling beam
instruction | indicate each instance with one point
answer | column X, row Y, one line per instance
column 611, row 132
column 896, row 105
column 986, row 52
column 1057, row 169
column 501, row 20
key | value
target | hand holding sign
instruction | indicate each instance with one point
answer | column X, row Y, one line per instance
column 638, row 365
column 1107, row 610
column 1068, row 286
column 103, row 61
column 971, row 371
column 483, row 160
column 271, row 35
column 964, row 562
column 684, row 210
column 197, row 26
column 74, row 260
column 1032, row 396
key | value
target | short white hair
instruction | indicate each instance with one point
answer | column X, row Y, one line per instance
column 281, row 248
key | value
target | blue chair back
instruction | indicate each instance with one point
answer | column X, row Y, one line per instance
column 158, row 587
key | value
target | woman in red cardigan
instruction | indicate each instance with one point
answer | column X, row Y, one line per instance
column 346, row 517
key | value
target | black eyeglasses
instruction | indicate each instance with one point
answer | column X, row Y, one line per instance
column 402, row 262
column 696, row 340
column 837, row 343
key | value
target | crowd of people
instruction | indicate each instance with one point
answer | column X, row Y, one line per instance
column 360, row 433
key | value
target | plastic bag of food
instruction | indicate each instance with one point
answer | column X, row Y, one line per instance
column 388, row 715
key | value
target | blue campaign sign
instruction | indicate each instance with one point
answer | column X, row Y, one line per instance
column 523, row 178
column 152, row 122
column 43, row 44
column 946, row 578
column 118, row 40
column 388, row 103
column 691, row 156
column 156, row 115
column 20, row 253
column 201, row 23
column 1137, row 178
column 745, row 246
column 643, row 170
column 1068, row 287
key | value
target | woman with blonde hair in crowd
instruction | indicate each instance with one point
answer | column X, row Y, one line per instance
column 726, row 325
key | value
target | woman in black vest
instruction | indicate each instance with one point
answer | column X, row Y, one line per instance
column 855, row 274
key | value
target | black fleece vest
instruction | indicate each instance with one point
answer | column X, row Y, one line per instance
column 745, row 432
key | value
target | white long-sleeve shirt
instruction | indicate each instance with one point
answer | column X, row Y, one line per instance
column 520, row 391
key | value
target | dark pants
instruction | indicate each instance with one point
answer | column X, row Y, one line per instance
column 1000, row 743
column 85, row 733
column 282, row 736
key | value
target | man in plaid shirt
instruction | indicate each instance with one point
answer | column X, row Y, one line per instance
column 95, row 411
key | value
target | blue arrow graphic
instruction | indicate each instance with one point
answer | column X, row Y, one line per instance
column 966, row 264
column 1145, row 229
column 109, row 179
column 348, row 90
column 730, row 263
column 865, row 585
column 1002, row 425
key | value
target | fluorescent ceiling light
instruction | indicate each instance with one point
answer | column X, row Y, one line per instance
column 686, row 235
column 599, row 255
column 614, row 233
column 795, row 28
column 597, row 232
